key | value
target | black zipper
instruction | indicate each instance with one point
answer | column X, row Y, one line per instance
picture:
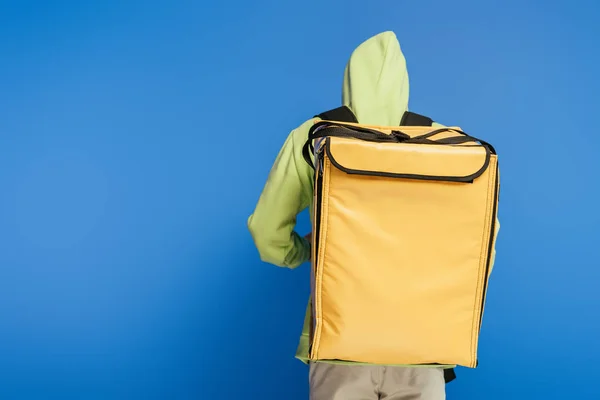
column 316, row 233
column 319, row 190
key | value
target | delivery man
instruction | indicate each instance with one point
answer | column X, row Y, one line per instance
column 375, row 88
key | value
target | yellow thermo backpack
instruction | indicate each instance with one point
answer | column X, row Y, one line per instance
column 403, row 229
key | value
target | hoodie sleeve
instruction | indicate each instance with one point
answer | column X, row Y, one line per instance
column 286, row 193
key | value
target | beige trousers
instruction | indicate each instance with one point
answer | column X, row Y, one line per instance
column 369, row 382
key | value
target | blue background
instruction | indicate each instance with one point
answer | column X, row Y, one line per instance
column 135, row 138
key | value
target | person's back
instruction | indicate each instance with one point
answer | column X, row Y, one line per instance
column 376, row 90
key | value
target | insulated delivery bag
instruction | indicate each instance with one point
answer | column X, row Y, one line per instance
column 403, row 231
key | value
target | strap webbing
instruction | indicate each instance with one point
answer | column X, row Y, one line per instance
column 449, row 375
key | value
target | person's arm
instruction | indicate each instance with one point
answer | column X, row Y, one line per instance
column 286, row 193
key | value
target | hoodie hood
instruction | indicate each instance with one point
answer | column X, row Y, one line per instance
column 376, row 81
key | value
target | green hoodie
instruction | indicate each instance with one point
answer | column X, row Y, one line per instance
column 375, row 88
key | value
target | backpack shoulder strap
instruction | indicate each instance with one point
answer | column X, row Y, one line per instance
column 340, row 114
column 449, row 375
column 344, row 114
column 414, row 119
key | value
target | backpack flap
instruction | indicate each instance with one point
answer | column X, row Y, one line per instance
column 450, row 163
